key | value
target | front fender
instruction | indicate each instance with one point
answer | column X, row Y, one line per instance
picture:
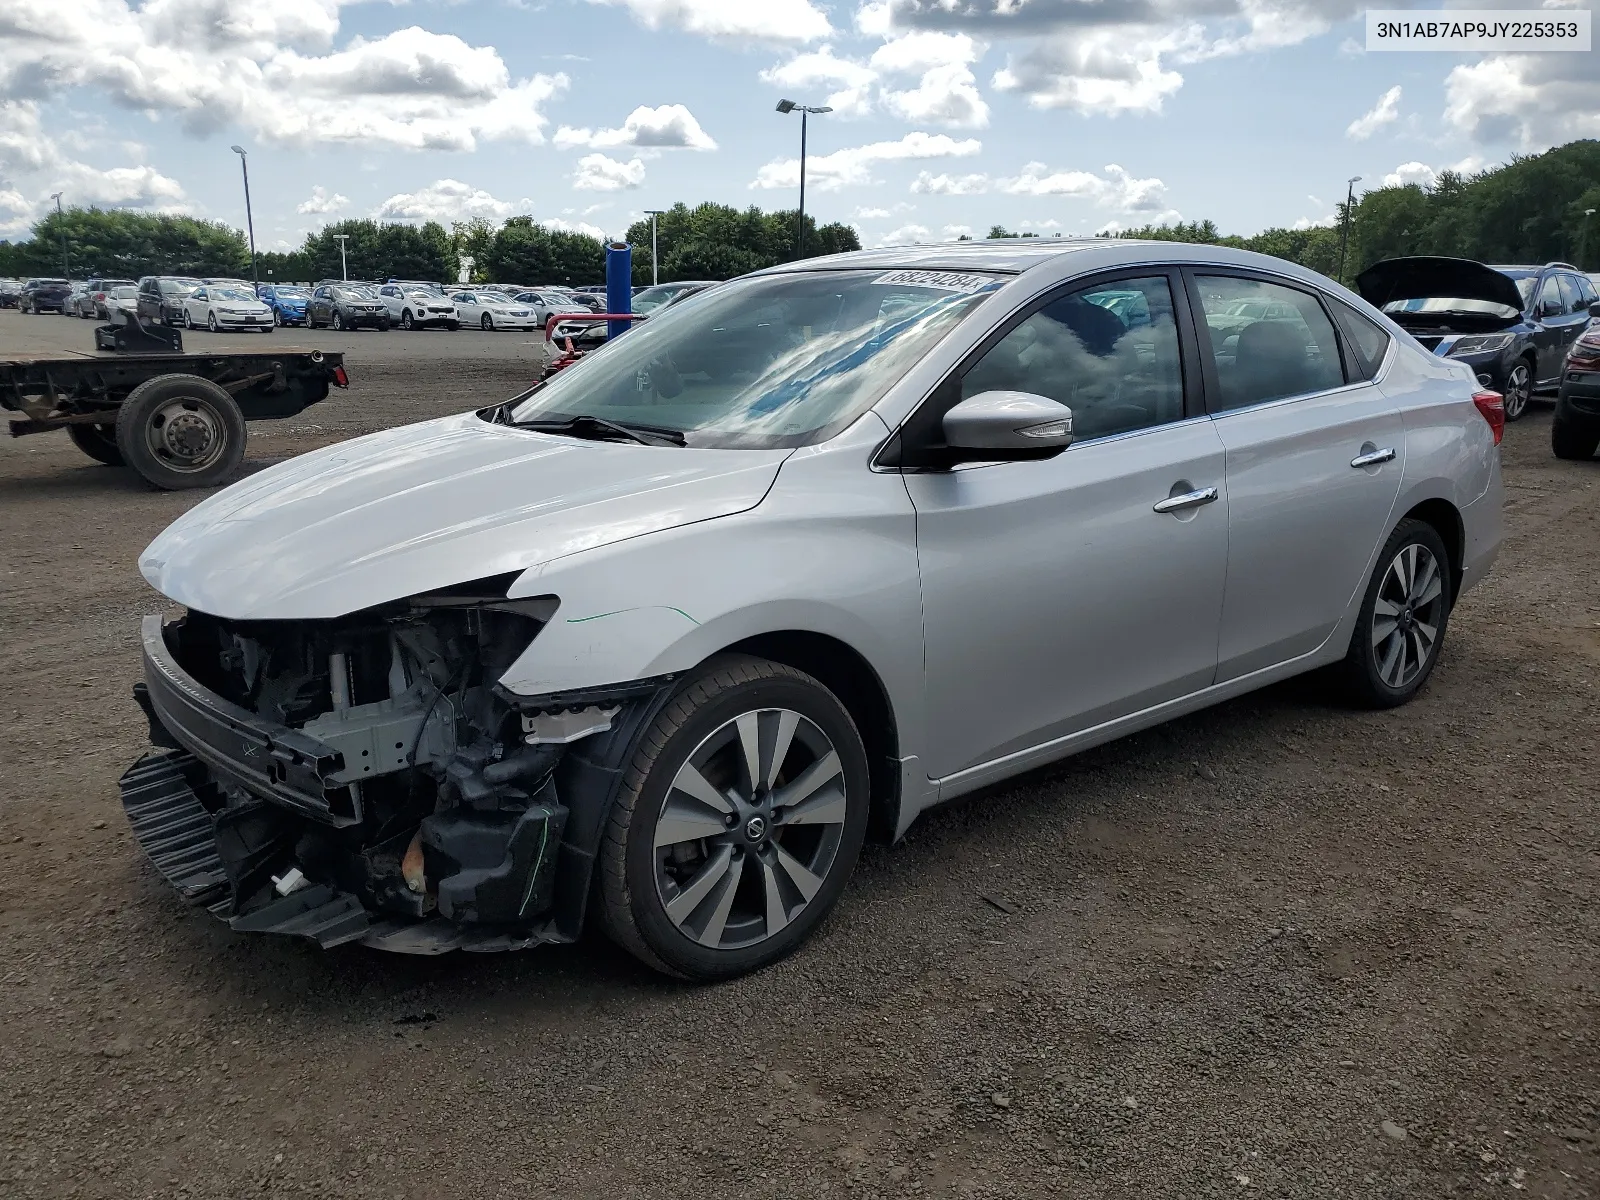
column 831, row 550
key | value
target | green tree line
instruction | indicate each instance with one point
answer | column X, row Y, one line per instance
column 1534, row 209
column 709, row 241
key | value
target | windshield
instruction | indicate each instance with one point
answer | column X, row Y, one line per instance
column 290, row 293
column 179, row 285
column 767, row 362
column 352, row 293
column 1450, row 304
column 222, row 293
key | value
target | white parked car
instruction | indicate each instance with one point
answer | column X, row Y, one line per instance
column 121, row 303
column 493, row 310
column 217, row 307
column 548, row 304
column 418, row 307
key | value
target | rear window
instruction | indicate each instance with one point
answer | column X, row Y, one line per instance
column 1368, row 339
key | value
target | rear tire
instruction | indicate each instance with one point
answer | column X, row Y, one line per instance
column 99, row 442
column 1574, row 436
column 1404, row 614
column 181, row 431
column 763, row 874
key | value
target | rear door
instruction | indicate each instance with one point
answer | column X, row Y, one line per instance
column 1314, row 455
column 1550, row 332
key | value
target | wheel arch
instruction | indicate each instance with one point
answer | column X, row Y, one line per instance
column 846, row 673
column 1446, row 521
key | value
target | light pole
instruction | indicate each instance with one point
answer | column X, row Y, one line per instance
column 786, row 107
column 1583, row 238
column 655, row 263
column 1344, row 227
column 61, row 224
column 249, row 220
column 344, row 263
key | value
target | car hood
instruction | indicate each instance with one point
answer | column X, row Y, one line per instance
column 427, row 506
column 1426, row 278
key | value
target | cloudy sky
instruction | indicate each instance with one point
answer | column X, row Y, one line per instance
column 950, row 115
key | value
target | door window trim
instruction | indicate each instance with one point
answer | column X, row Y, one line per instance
column 888, row 455
column 1349, row 365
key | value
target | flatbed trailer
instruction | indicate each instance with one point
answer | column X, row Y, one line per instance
column 176, row 419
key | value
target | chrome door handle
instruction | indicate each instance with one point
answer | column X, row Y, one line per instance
column 1185, row 500
column 1374, row 458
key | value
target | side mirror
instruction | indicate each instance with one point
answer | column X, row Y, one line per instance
column 1594, row 309
column 1001, row 426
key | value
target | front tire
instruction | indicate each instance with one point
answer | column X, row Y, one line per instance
column 1403, row 618
column 211, row 322
column 338, row 321
column 487, row 324
column 1574, row 436
column 1519, row 390
column 181, row 431
column 740, row 817
column 406, row 321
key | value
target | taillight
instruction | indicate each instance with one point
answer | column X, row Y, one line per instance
column 1493, row 407
column 1585, row 353
column 343, row 380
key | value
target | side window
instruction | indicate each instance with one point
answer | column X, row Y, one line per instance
column 1367, row 338
column 1550, row 299
column 1108, row 352
column 198, row 294
column 1571, row 297
column 1289, row 350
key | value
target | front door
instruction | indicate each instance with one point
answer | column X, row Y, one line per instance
column 1314, row 466
column 1061, row 594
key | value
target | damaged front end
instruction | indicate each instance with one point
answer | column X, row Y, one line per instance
column 365, row 779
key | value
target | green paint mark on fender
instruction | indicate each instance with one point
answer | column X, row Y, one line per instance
column 642, row 608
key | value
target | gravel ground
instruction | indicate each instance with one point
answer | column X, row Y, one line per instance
column 1277, row 949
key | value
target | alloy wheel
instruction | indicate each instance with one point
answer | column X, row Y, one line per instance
column 1406, row 615
column 211, row 322
column 1519, row 390
column 338, row 320
column 750, row 828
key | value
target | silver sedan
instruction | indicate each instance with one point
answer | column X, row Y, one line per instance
column 834, row 543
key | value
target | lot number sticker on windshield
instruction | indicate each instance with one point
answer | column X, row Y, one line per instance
column 944, row 281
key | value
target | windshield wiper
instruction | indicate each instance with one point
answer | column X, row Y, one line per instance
column 601, row 429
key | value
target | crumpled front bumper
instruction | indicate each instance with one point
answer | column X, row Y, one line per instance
column 224, row 799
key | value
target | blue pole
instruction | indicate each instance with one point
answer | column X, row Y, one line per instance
column 619, row 286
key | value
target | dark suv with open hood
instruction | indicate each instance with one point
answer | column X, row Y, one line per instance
column 1511, row 325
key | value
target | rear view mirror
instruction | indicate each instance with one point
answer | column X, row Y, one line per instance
column 996, row 426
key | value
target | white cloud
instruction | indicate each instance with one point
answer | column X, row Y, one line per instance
column 952, row 232
column 270, row 69
column 32, row 165
column 671, row 126
column 598, row 173
column 1314, row 222
column 872, row 19
column 853, row 166
column 1051, row 223
column 583, row 227
column 448, row 200
column 928, row 184
column 1384, row 112
column 851, row 81
column 321, row 203
column 1412, row 172
column 1106, row 71
column 906, row 235
column 793, row 21
column 1531, row 100
column 1116, row 189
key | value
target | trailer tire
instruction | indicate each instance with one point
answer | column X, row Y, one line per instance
column 99, row 442
column 181, row 431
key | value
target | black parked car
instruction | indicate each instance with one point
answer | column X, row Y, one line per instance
column 10, row 292
column 161, row 298
column 1575, row 433
column 45, row 295
column 346, row 307
column 1511, row 325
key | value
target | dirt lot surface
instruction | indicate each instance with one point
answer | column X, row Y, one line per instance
column 1277, row 949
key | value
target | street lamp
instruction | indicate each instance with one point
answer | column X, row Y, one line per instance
column 61, row 224
column 1583, row 238
column 655, row 263
column 249, row 221
column 1344, row 227
column 786, row 107
column 344, row 263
